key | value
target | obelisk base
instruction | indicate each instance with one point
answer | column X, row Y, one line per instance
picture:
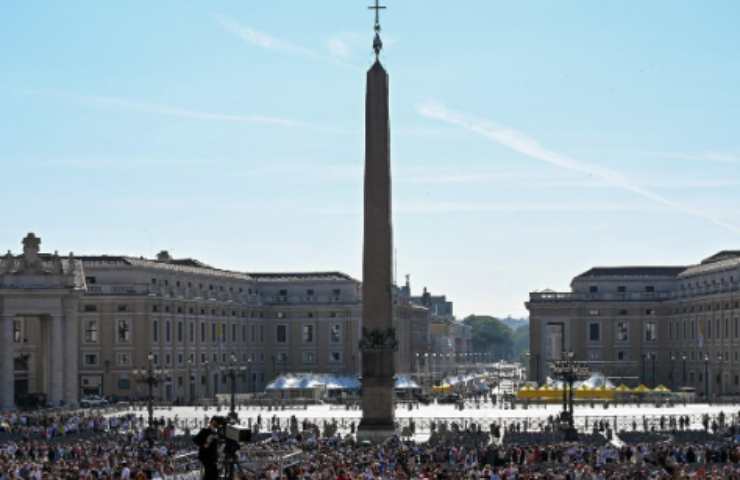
column 375, row 434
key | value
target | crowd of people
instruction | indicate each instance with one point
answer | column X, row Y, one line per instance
column 83, row 445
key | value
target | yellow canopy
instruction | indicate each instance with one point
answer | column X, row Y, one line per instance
column 661, row 389
column 641, row 389
column 441, row 388
column 623, row 388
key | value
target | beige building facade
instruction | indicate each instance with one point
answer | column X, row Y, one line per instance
column 676, row 326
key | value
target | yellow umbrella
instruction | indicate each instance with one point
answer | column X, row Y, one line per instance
column 622, row 388
column 661, row 389
column 641, row 389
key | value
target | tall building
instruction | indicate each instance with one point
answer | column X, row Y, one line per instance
column 672, row 325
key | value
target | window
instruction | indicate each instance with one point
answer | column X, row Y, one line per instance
column 90, row 359
column 281, row 334
column 651, row 332
column 122, row 308
column 202, row 332
column 90, row 308
column 282, row 357
column 155, row 331
column 167, row 332
column 309, row 292
column 253, row 329
column 335, row 357
column 124, row 331
column 233, row 332
column 213, row 332
column 179, row 332
column 308, row 334
column 179, row 358
column 223, row 332
column 91, row 331
column 336, row 333
column 17, row 331
column 192, row 333
column 621, row 289
column 621, row 355
column 262, row 334
column 594, row 333
column 168, row 359
column 649, row 288
column 623, row 312
column 623, row 331
column 244, row 334
column 650, row 311
column 309, row 357
column 283, row 293
column 593, row 289
column 123, row 359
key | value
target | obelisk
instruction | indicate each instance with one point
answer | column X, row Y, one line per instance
column 378, row 342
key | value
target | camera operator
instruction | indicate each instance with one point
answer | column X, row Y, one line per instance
column 207, row 441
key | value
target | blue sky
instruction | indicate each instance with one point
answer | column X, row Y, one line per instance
column 530, row 140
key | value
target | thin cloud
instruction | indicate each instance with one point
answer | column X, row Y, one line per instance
column 269, row 42
column 338, row 48
column 715, row 157
column 118, row 103
column 522, row 143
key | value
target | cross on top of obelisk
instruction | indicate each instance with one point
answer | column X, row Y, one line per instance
column 377, row 43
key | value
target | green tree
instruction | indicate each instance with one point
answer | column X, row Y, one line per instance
column 490, row 335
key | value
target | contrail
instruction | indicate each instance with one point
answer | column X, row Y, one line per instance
column 522, row 143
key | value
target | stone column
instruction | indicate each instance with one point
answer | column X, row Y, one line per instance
column 7, row 375
column 57, row 362
column 71, row 356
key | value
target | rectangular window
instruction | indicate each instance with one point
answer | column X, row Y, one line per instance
column 122, row 308
column 336, row 333
column 309, row 357
column 307, row 334
column 223, row 332
column 281, row 334
column 651, row 332
column 244, row 334
column 620, row 355
column 233, row 332
column 124, row 359
column 262, row 334
column 593, row 289
column 17, row 331
column 202, row 332
column 168, row 359
column 621, row 289
column 649, row 288
column 124, row 331
column 623, row 331
column 213, row 332
column 167, row 332
column 155, row 331
column 594, row 333
column 91, row 331
column 179, row 332
column 335, row 357
column 253, row 328
column 192, row 332
column 90, row 359
column 282, row 357
column 90, row 308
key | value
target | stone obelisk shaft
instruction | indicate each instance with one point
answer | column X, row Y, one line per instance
column 378, row 367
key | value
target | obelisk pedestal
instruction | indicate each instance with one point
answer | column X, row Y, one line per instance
column 378, row 342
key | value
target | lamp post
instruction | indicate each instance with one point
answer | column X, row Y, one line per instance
column 151, row 377
column 231, row 371
column 673, row 368
column 706, row 377
column 191, row 382
column 683, row 357
column 568, row 371
column 719, row 377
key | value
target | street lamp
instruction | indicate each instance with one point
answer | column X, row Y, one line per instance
column 719, row 376
column 191, row 381
column 231, row 373
column 673, row 368
column 706, row 377
column 683, row 357
column 150, row 376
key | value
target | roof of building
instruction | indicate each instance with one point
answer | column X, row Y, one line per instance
column 633, row 271
column 722, row 255
column 294, row 276
column 193, row 266
column 716, row 265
